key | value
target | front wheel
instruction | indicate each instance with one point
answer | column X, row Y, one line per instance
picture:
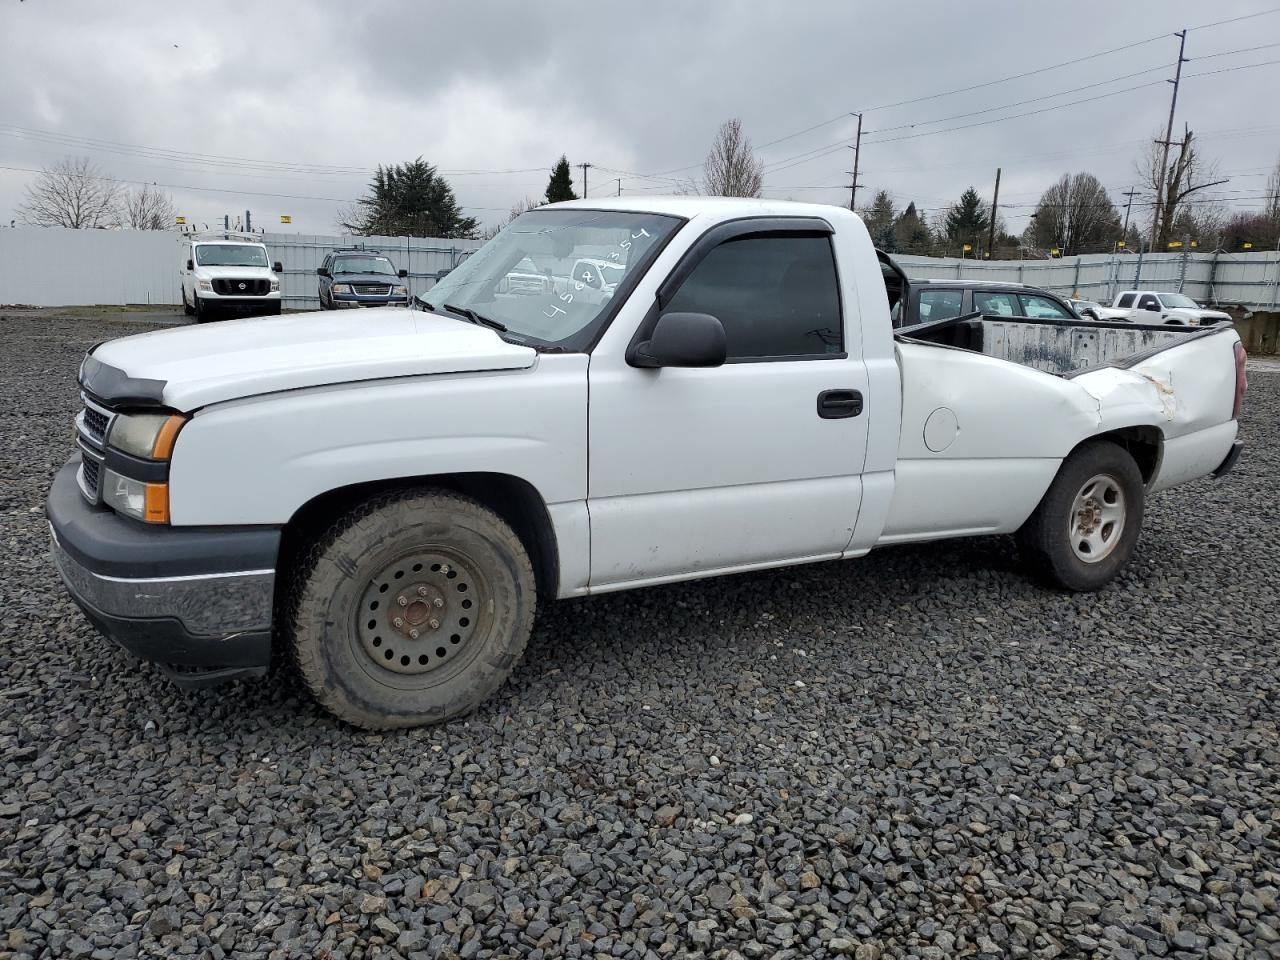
column 411, row 609
column 1086, row 528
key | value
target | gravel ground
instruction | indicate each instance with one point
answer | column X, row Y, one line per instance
column 920, row 754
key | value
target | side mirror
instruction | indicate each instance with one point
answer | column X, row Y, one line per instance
column 191, row 264
column 1153, row 307
column 683, row 340
column 321, row 272
column 402, row 274
column 277, row 267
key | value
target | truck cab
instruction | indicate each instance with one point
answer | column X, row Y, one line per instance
column 227, row 274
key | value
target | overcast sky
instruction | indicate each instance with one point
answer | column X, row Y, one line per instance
column 284, row 108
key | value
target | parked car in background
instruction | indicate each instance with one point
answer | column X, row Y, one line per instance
column 225, row 273
column 928, row 301
column 392, row 499
column 1086, row 309
column 361, row 278
column 1159, row 306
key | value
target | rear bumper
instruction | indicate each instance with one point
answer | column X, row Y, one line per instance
column 1229, row 461
column 198, row 601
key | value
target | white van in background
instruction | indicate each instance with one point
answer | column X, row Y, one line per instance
column 225, row 273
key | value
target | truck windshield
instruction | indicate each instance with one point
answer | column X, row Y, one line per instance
column 1178, row 300
column 550, row 275
column 230, row 255
column 379, row 265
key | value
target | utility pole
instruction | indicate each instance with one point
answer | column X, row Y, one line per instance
column 1124, row 232
column 995, row 206
column 1168, row 136
column 857, row 152
column 584, row 177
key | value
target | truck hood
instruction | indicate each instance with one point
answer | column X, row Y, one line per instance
column 214, row 272
column 189, row 367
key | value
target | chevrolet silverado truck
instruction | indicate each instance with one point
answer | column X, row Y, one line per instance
column 384, row 499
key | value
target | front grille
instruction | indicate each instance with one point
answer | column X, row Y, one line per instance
column 89, row 470
column 95, row 423
column 233, row 287
column 371, row 289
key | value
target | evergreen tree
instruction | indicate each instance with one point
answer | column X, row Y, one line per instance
column 879, row 216
column 409, row 199
column 561, row 185
column 968, row 220
column 911, row 233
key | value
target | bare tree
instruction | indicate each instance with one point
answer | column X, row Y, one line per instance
column 147, row 209
column 731, row 169
column 524, row 206
column 1171, row 190
column 1076, row 215
column 71, row 193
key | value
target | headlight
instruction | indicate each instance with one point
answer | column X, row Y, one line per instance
column 342, row 288
column 401, row 291
column 148, row 502
column 148, row 435
column 205, row 285
column 275, row 286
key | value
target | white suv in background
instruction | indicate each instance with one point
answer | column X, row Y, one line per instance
column 227, row 273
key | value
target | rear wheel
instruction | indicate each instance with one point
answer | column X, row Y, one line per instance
column 412, row 609
column 1086, row 528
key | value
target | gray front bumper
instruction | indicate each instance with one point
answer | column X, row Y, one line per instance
column 210, row 605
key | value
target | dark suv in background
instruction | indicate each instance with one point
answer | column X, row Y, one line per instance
column 930, row 300
column 361, row 278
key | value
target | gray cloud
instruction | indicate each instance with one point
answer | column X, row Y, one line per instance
column 330, row 90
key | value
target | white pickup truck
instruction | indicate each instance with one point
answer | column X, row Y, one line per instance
column 1161, row 306
column 384, row 498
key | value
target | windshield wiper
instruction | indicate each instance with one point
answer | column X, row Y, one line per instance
column 477, row 318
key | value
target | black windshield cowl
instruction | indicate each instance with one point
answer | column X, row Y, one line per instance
column 477, row 318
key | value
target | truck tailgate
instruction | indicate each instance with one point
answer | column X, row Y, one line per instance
column 1058, row 348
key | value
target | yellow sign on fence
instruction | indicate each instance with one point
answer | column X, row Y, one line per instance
column 968, row 247
column 1246, row 245
column 180, row 220
column 285, row 218
column 1175, row 244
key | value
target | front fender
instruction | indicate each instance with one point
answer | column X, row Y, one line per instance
column 257, row 461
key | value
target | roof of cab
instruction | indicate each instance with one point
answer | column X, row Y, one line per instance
column 717, row 207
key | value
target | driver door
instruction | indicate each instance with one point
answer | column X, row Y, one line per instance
column 753, row 463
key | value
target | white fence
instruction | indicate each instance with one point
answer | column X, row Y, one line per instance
column 51, row 266
column 57, row 267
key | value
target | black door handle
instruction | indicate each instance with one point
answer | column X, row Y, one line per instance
column 835, row 404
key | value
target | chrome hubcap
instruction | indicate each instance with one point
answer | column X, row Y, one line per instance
column 1097, row 519
column 418, row 613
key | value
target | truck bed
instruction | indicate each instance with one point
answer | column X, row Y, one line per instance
column 1061, row 347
